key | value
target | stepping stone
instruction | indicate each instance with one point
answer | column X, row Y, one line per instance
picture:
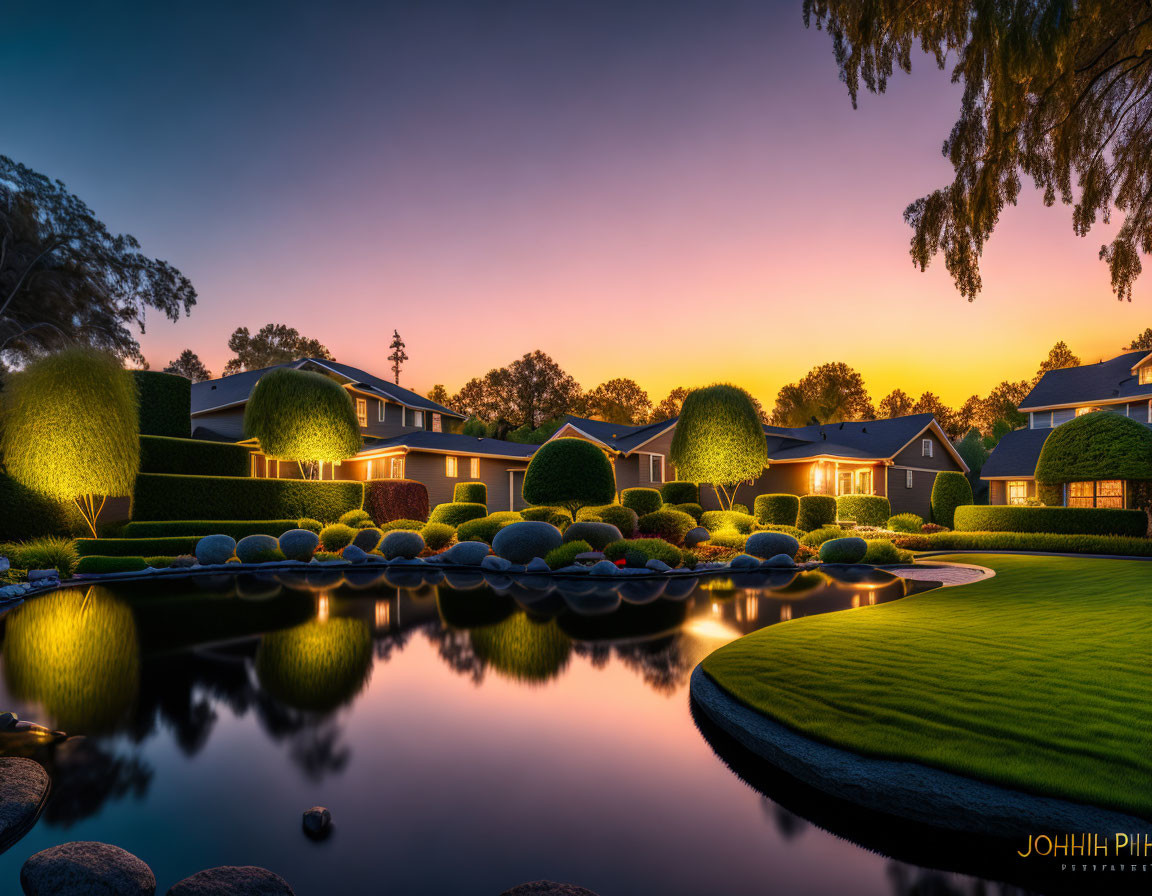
column 232, row 880
column 547, row 888
column 84, row 866
column 24, row 789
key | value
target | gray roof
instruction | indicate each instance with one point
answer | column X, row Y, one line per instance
column 234, row 389
column 1110, row 380
column 454, row 443
column 852, row 439
column 618, row 436
column 1015, row 454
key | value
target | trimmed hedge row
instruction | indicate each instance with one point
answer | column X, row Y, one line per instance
column 1053, row 520
column 1029, row 541
column 192, row 457
column 165, row 403
column 396, row 499
column 815, row 512
column 169, row 497
column 470, row 493
column 103, row 565
column 236, row 528
column 136, row 547
column 776, row 510
column 864, row 510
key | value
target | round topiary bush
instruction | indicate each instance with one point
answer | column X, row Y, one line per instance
column 1096, row 446
column 214, row 549
column 769, row 544
column 623, row 518
column 256, row 548
column 401, row 543
column 693, row 510
column 543, row 513
column 776, row 510
column 336, row 537
column 864, row 510
column 680, row 493
column 368, row 539
column 642, row 500
column 470, row 493
column 456, row 513
column 437, row 536
column 843, row 550
column 905, row 522
column 409, row 525
column 951, row 490
column 483, row 529
column 520, row 542
column 571, row 473
column 815, row 511
column 566, row 554
column 671, row 525
column 354, row 518
column 598, row 535
column 299, row 544
column 717, row 520
column 310, row 524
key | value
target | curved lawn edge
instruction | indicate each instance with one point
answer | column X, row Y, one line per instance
column 908, row 789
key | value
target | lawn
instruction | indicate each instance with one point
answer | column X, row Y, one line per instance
column 1039, row 678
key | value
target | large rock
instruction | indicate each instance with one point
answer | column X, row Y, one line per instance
column 24, row 788
column 598, row 535
column 214, row 549
column 466, row 553
column 299, row 544
column 256, row 548
column 401, row 543
column 843, row 550
column 768, row 544
column 520, row 542
column 232, row 880
column 547, row 888
column 695, row 536
column 88, row 867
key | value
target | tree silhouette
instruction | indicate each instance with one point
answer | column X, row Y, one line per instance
column 273, row 344
column 398, row 356
column 190, row 366
column 618, row 400
column 829, row 393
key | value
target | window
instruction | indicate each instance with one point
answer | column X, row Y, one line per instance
column 1146, row 375
column 413, row 418
column 863, row 482
column 844, row 483
column 397, row 468
column 450, row 467
column 655, row 467
column 907, row 479
column 1017, row 491
column 437, row 426
column 361, row 411
column 925, row 447
column 368, row 473
column 1110, row 493
column 380, row 411
column 474, row 467
column 1080, row 412
column 1081, row 494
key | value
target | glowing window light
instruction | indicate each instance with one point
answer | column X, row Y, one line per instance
column 785, row 612
column 322, row 608
column 383, row 614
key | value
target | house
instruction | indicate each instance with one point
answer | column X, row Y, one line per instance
column 1122, row 385
column 639, row 454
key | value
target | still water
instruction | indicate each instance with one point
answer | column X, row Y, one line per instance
column 465, row 737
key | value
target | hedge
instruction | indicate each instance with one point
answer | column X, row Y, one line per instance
column 27, row 514
column 100, row 564
column 776, row 510
column 680, row 493
column 192, row 457
column 236, row 528
column 1099, row 445
column 716, row 520
column 1053, row 520
column 456, row 513
column 949, row 491
column 671, row 525
column 130, row 547
column 165, row 404
column 864, row 510
column 642, row 500
column 168, row 497
column 1029, row 541
column 470, row 493
column 396, row 499
column 815, row 511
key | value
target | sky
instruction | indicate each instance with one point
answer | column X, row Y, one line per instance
column 676, row 192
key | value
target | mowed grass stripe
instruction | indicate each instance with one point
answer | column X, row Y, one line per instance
column 1039, row 678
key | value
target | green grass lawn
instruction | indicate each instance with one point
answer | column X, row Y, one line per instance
column 1039, row 678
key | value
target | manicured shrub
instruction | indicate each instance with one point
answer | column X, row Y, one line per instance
column 192, row 457
column 437, row 536
column 794, row 531
column 843, row 550
column 483, row 529
column 396, row 499
column 642, row 500
column 299, row 544
column 520, row 542
column 571, row 473
column 365, row 524
column 566, row 554
column 235, row 528
column 769, row 544
column 599, row 535
column 693, row 510
column 646, row 548
column 949, row 491
column 1036, row 541
column 817, row 537
column 336, row 537
column 212, row 550
column 623, row 518
column 930, row 528
column 680, row 492
column 864, row 510
column 776, row 510
column 456, row 513
column 1055, row 520
column 671, row 525
column 402, row 543
column 28, row 514
column 470, row 493
column 368, row 539
column 103, row 565
column 326, row 556
column 544, row 513
column 716, row 520
column 719, row 440
column 728, row 538
column 160, row 562
column 913, row 542
column 355, row 517
column 815, row 511
column 258, row 549
column 136, row 547
column 882, row 551
column 309, row 524
column 905, row 522
column 561, row 520
column 165, row 401
column 407, row 525
column 741, row 508
column 1096, row 446
column 45, row 552
column 164, row 497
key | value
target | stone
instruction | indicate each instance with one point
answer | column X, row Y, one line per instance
column 466, row 553
column 24, row 789
column 214, row 549
column 604, row 568
column 537, row 564
column 598, row 535
column 299, row 544
column 499, row 564
column 5, row 564
column 547, row 888
column 657, row 565
column 317, row 821
column 744, row 561
column 769, row 544
column 401, row 543
column 781, row 561
column 255, row 548
column 353, row 554
column 232, row 880
column 695, row 536
column 8, row 719
column 86, row 866
column 520, row 542
column 589, row 557
column 43, row 575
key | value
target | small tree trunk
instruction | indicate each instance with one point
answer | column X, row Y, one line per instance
column 90, row 510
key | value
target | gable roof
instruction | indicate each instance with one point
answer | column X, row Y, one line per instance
column 1015, row 455
column 616, row 436
column 227, row 391
column 450, row 443
column 1107, row 382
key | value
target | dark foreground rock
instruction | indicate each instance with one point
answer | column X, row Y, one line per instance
column 97, row 869
column 233, row 880
column 24, row 789
column 317, row 821
column 547, row 888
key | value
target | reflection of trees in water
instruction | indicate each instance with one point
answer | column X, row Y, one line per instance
column 787, row 823
column 908, row 880
column 318, row 666
column 455, row 648
column 661, row 662
column 85, row 776
column 522, row 648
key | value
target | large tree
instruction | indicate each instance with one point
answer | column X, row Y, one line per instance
column 1059, row 357
column 65, row 279
column 1057, row 90
column 272, row 344
column 829, row 393
column 439, row 394
column 896, row 403
column 719, row 440
column 619, row 400
column 527, row 392
column 931, row 403
column 189, row 366
column 1143, row 342
column 670, row 406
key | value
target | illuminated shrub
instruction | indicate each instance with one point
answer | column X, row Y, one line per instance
column 717, row 520
column 817, row 537
column 355, row 517
column 483, row 529
column 457, row 512
column 642, row 500
column 1096, row 446
column 520, row 542
column 598, row 535
column 318, row 666
column 719, row 440
column 882, row 551
column 776, row 510
column 367, row 539
column 693, row 510
column 310, row 524
column 728, row 538
column 257, row 549
column 645, row 548
column 470, row 493
column 815, row 511
column 402, row 543
column 680, row 493
column 396, row 499
column 299, row 544
column 522, row 649
column 843, row 550
column 566, row 554
column 794, row 531
column 623, row 518
column 769, row 544
column 570, row 473
column 864, row 510
column 544, row 513
column 437, row 536
column 409, row 525
column 46, row 552
column 671, row 525
column 336, row 537
column 905, row 522
column 949, row 491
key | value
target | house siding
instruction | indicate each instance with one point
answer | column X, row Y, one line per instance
column 228, row 422
column 918, row 498
column 429, row 469
column 911, row 456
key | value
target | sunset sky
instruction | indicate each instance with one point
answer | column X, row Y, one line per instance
column 675, row 192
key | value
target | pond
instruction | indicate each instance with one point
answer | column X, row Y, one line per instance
column 465, row 737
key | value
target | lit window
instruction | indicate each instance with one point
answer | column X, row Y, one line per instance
column 1110, row 493
column 450, row 467
column 1080, row 412
column 397, row 470
column 380, row 412
column 864, row 482
column 437, row 426
column 907, row 479
column 474, row 467
column 1146, row 375
column 368, row 475
column 1081, row 494
column 418, row 419
column 655, row 468
column 925, row 447
column 844, row 483
column 361, row 411
column 1017, row 491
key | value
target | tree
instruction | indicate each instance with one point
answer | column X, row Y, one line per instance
column 618, row 401
column 571, row 473
column 439, row 394
column 930, row 403
column 1059, row 357
column 189, row 366
column 1143, row 342
column 719, row 440
column 972, row 449
column 670, row 406
column 65, row 279
column 53, row 441
column 896, row 403
column 273, row 344
column 398, row 356
column 528, row 391
column 829, row 393
column 1057, row 90
column 297, row 415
